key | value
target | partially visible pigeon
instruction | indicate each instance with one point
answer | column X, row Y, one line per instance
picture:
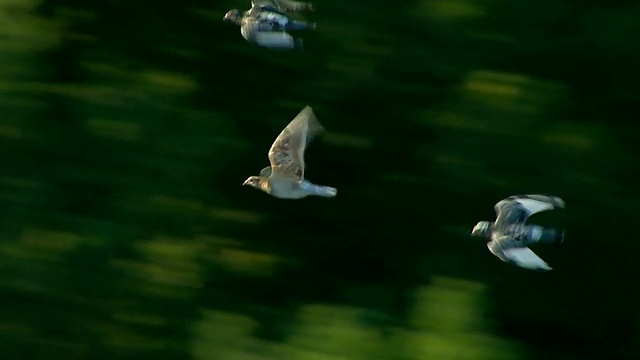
column 510, row 236
column 267, row 23
column 284, row 179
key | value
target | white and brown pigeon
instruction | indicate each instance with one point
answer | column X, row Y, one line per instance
column 284, row 179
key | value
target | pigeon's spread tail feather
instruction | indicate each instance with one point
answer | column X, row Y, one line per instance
column 319, row 190
column 326, row 191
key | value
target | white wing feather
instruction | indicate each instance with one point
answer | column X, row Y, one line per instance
column 526, row 258
column 534, row 206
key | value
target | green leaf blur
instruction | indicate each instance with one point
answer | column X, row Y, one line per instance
column 128, row 127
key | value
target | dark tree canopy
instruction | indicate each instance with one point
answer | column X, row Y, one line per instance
column 127, row 128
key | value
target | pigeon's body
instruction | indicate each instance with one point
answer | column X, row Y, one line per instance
column 286, row 189
column 510, row 236
column 284, row 179
column 266, row 24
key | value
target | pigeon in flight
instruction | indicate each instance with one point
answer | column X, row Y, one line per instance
column 510, row 236
column 284, row 179
column 267, row 23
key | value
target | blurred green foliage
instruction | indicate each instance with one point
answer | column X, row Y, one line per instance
column 127, row 128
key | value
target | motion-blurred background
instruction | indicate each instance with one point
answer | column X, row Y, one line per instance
column 128, row 127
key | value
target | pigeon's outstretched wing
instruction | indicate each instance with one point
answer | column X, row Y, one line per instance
column 287, row 152
column 270, row 5
column 526, row 258
column 258, row 3
column 282, row 5
column 536, row 203
column 517, row 208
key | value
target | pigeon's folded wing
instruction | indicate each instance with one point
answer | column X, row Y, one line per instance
column 287, row 152
column 266, row 172
column 526, row 258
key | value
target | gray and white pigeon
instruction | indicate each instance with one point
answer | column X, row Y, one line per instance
column 284, row 179
column 267, row 23
column 510, row 236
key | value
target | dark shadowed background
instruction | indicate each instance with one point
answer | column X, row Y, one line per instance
column 128, row 127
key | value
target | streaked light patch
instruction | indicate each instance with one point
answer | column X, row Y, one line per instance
column 449, row 9
column 237, row 215
column 114, row 129
column 347, row 140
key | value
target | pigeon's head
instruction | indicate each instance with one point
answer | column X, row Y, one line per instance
column 255, row 181
column 233, row 16
column 482, row 229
